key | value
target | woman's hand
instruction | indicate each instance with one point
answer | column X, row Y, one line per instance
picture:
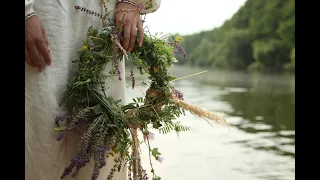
column 36, row 44
column 128, row 18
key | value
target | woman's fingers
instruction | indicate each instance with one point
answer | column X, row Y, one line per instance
column 129, row 25
column 48, row 58
column 43, row 50
column 27, row 57
column 141, row 33
column 126, row 35
column 35, row 56
column 133, row 36
column 36, row 43
column 45, row 38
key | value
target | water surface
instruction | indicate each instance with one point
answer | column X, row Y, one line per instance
column 259, row 145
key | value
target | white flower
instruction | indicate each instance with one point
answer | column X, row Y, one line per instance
column 160, row 159
column 149, row 136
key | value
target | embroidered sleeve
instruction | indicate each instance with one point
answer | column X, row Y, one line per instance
column 29, row 9
column 148, row 6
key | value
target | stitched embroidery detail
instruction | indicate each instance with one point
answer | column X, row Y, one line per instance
column 85, row 10
column 149, row 4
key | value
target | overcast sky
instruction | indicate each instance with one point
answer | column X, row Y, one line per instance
column 191, row 16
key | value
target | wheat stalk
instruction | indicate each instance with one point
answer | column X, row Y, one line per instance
column 199, row 112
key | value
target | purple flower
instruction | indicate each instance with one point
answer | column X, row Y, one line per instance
column 178, row 47
column 178, row 94
column 74, row 175
column 91, row 43
column 116, row 67
column 103, row 163
column 62, row 135
column 102, row 148
column 175, row 51
column 69, row 168
column 117, row 35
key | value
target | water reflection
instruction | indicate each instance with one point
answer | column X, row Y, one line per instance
column 260, row 144
column 265, row 103
column 268, row 107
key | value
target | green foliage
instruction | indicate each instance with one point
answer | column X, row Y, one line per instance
column 256, row 66
column 290, row 67
column 259, row 36
column 176, row 126
column 155, row 153
column 272, row 53
column 108, row 124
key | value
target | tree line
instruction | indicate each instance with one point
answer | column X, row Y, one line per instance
column 260, row 36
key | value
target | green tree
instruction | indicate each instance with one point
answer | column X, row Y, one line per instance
column 260, row 36
column 272, row 53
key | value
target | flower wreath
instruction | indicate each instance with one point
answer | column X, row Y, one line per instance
column 110, row 128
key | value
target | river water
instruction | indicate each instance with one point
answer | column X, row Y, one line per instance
column 258, row 145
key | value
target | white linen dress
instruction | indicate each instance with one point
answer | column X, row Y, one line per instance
column 66, row 26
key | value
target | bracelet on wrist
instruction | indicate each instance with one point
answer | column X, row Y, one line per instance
column 127, row 10
column 29, row 15
column 129, row 2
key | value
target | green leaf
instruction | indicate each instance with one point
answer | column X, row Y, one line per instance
column 155, row 153
column 60, row 128
column 170, row 78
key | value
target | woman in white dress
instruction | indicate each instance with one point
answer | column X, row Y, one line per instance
column 54, row 31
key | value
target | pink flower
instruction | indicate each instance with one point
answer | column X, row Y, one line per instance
column 148, row 136
column 160, row 159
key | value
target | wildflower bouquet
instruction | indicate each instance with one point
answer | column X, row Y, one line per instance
column 111, row 128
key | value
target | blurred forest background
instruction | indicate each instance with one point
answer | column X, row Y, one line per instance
column 259, row 37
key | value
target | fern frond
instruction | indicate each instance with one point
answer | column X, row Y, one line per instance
column 171, row 126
